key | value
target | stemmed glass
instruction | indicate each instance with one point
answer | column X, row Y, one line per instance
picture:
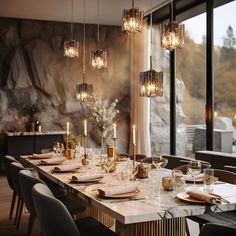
column 194, row 168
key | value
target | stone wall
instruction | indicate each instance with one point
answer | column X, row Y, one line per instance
column 37, row 81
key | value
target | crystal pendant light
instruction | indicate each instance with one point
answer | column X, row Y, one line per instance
column 71, row 47
column 151, row 81
column 84, row 91
column 132, row 20
column 99, row 56
column 172, row 33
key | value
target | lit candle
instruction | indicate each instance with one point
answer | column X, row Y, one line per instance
column 85, row 127
column 114, row 129
column 134, row 135
column 67, row 128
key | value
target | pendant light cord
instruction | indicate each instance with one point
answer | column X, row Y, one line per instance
column 84, row 48
column 98, row 23
column 151, row 37
column 132, row 3
column 172, row 10
column 72, row 19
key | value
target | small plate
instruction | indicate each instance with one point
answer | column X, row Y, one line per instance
column 39, row 157
column 51, row 163
column 65, row 171
column 123, row 195
column 185, row 197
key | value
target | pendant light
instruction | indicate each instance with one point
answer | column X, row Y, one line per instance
column 84, row 91
column 132, row 20
column 71, row 47
column 151, row 81
column 99, row 56
column 172, row 33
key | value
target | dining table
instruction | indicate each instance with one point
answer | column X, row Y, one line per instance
column 150, row 211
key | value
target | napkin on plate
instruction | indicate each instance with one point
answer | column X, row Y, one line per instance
column 87, row 177
column 42, row 156
column 69, row 167
column 206, row 197
column 51, row 161
column 111, row 191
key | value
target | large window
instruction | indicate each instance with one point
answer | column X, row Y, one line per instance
column 225, row 75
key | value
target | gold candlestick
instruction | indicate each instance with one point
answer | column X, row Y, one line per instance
column 114, row 149
column 134, row 164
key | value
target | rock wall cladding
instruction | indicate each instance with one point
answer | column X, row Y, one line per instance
column 38, row 82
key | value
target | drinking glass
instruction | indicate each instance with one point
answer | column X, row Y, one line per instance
column 194, row 168
column 208, row 180
column 157, row 161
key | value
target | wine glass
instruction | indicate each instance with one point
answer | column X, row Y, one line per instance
column 194, row 168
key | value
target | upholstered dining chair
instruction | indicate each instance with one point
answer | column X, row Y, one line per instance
column 15, row 167
column 213, row 229
column 7, row 160
column 27, row 180
column 225, row 218
column 55, row 219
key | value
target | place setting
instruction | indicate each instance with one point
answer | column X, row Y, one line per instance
column 67, row 168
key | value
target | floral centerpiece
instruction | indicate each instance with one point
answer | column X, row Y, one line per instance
column 103, row 113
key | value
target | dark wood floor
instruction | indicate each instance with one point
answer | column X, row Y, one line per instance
column 7, row 227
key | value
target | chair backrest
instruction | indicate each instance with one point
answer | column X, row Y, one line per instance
column 53, row 216
column 7, row 160
column 27, row 180
column 213, row 229
column 174, row 161
column 15, row 167
column 230, row 168
column 225, row 176
column 184, row 168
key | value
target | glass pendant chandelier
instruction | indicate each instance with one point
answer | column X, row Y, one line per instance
column 172, row 33
column 132, row 20
column 84, row 91
column 71, row 47
column 151, row 81
column 99, row 56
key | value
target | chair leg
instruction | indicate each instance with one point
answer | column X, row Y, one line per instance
column 17, row 208
column 187, row 228
column 20, row 213
column 30, row 224
column 13, row 201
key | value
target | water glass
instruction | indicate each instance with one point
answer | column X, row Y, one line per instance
column 208, row 180
column 194, row 168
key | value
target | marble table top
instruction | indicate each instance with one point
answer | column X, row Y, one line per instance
column 143, row 208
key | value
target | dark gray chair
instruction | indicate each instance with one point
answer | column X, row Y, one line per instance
column 27, row 180
column 212, row 229
column 15, row 167
column 225, row 218
column 55, row 219
column 7, row 160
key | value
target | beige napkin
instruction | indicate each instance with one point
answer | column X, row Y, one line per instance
column 51, row 161
column 69, row 167
column 111, row 191
column 206, row 197
column 42, row 156
column 86, row 177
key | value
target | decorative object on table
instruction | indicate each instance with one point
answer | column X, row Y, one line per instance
column 99, row 56
column 132, row 20
column 168, row 183
column 151, row 81
column 172, row 33
column 103, row 114
column 84, row 91
column 71, row 47
column 143, row 170
column 135, row 169
column 110, row 152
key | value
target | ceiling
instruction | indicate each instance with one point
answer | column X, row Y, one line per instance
column 110, row 11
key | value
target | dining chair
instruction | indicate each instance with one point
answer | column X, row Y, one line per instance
column 213, row 229
column 15, row 167
column 55, row 219
column 7, row 160
column 227, row 217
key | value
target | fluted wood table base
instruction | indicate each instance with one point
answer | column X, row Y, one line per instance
column 168, row 227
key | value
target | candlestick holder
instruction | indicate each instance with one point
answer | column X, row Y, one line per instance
column 84, row 160
column 135, row 170
column 114, row 149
